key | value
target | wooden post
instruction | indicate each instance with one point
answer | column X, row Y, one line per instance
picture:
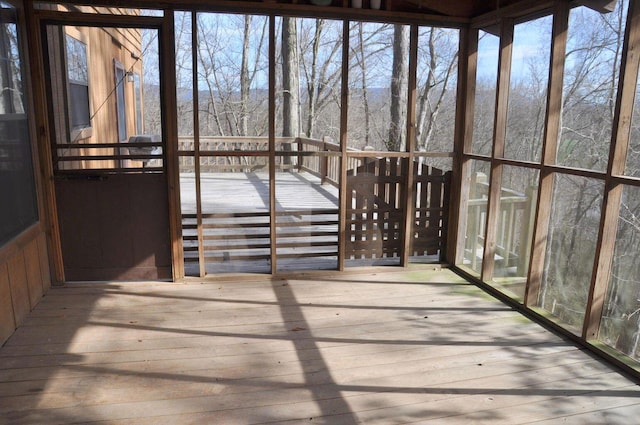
column 408, row 197
column 526, row 233
column 549, row 149
column 44, row 133
column 196, row 142
column 499, row 136
column 617, row 162
column 324, row 160
column 344, row 196
column 170, row 132
column 272, row 144
column 461, row 175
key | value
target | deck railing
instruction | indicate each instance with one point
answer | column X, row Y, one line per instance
column 243, row 154
column 515, row 226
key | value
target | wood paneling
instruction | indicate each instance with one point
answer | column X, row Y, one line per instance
column 19, row 287
column 115, row 228
column 45, row 273
column 32, row 270
column 7, row 321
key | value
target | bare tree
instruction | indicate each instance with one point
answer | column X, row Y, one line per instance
column 397, row 139
column 441, row 56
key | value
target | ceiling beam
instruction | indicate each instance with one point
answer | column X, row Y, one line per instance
column 602, row 6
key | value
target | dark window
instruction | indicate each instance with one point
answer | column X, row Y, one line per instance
column 120, row 105
column 17, row 186
column 78, row 80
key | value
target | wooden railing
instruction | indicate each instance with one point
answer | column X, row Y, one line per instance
column 376, row 211
column 514, row 231
column 320, row 158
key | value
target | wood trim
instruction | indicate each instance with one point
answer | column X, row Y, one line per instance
column 295, row 10
column 499, row 136
column 48, row 213
column 467, row 69
column 104, row 20
column 196, row 142
column 168, row 97
column 409, row 194
column 343, row 196
column 41, row 204
column 272, row 144
column 18, row 243
column 607, row 231
column 549, row 148
column 513, row 11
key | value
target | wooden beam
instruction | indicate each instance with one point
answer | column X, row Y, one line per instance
column 409, row 195
column 499, row 136
column 414, row 15
column 170, row 133
column 602, row 6
column 44, row 133
column 343, row 196
column 513, row 11
column 549, row 149
column 463, row 140
column 196, row 142
column 272, row 145
column 617, row 162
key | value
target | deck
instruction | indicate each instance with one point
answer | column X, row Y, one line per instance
column 367, row 346
column 236, row 227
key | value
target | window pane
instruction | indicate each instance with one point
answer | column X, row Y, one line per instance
column 476, row 218
column 78, row 83
column 528, row 89
column 308, row 78
column 518, row 200
column 436, row 89
column 17, row 186
column 620, row 325
column 592, row 65
column 571, row 242
column 120, row 103
column 233, row 72
column 378, row 86
column 77, row 66
column 94, row 129
column 79, row 105
column 632, row 167
column 485, row 103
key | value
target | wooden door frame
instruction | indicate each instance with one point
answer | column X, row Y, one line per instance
column 38, row 19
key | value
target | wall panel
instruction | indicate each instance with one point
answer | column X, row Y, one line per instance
column 7, row 321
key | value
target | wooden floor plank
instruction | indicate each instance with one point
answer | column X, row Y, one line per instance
column 375, row 347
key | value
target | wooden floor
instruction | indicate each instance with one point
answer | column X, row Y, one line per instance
column 372, row 346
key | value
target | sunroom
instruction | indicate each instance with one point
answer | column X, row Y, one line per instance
column 307, row 156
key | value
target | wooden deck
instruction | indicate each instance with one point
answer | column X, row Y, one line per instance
column 372, row 346
column 235, row 209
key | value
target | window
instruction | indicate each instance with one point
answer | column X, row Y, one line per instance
column 17, row 186
column 138, row 98
column 121, row 112
column 78, row 87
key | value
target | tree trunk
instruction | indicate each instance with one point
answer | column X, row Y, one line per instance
column 365, row 98
column 399, row 89
column 290, row 83
column 244, row 78
column 312, row 83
